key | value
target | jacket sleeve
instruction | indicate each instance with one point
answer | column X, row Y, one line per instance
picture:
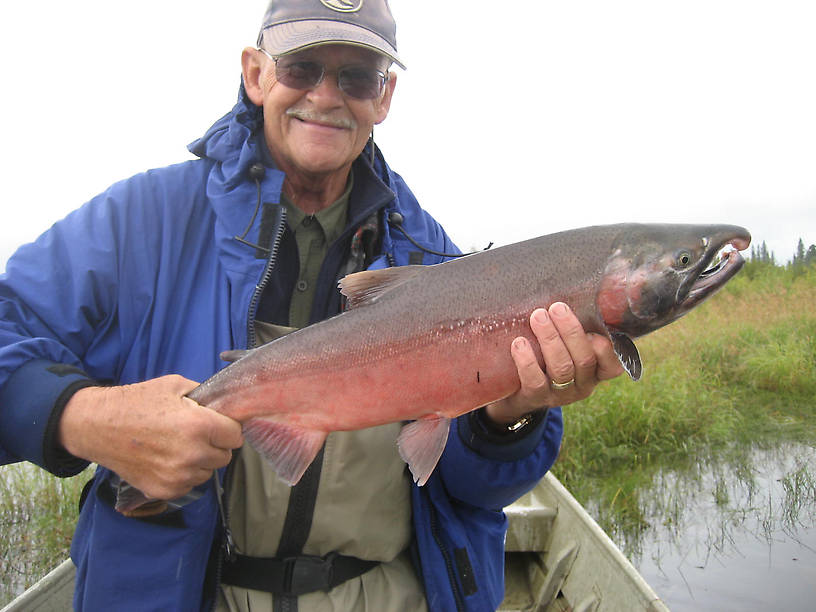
column 490, row 471
column 57, row 299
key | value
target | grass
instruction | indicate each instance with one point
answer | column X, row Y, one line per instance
column 38, row 513
column 739, row 370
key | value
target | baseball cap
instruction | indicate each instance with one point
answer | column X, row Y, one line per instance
column 292, row 25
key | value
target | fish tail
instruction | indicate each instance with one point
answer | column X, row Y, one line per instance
column 130, row 501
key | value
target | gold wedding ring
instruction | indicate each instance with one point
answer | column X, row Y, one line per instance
column 559, row 386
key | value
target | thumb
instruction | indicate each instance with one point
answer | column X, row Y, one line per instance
column 225, row 432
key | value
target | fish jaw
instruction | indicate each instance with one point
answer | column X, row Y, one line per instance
column 713, row 278
column 659, row 275
column 650, row 283
column 720, row 263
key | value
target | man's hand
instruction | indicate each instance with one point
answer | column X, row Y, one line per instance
column 150, row 434
column 570, row 354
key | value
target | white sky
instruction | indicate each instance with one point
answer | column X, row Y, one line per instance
column 514, row 119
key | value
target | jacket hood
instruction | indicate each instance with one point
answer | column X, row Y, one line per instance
column 227, row 150
column 230, row 140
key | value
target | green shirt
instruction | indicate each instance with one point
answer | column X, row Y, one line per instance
column 313, row 234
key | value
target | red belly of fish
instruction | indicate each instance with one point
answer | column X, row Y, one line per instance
column 461, row 373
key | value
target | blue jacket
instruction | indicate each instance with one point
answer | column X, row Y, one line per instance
column 147, row 279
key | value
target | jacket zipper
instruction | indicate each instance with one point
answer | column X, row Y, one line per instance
column 228, row 546
column 460, row 604
column 280, row 225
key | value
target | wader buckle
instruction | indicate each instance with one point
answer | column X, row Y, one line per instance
column 306, row 573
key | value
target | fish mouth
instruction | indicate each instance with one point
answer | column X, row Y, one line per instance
column 719, row 265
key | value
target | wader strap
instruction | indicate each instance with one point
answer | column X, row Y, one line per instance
column 298, row 523
column 293, row 576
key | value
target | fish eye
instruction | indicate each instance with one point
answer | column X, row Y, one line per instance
column 683, row 259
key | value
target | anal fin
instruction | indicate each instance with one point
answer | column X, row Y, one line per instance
column 421, row 444
column 287, row 448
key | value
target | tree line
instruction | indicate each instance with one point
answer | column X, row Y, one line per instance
column 801, row 257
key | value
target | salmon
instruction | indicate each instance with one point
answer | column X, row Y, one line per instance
column 426, row 344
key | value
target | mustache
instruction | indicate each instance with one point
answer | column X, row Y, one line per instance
column 318, row 117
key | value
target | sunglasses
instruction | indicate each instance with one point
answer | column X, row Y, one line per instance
column 359, row 81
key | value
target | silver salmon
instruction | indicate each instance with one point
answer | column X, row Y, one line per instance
column 429, row 343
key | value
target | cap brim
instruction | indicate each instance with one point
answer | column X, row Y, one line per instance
column 298, row 35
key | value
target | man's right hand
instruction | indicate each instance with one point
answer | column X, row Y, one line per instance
column 150, row 434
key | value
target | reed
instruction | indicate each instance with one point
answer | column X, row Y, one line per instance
column 38, row 513
column 740, row 370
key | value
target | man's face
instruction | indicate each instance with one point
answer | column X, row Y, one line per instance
column 320, row 131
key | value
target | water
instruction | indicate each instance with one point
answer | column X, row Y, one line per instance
column 737, row 535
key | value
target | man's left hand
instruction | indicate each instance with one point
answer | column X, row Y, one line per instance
column 574, row 363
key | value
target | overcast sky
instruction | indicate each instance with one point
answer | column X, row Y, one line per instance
column 514, row 119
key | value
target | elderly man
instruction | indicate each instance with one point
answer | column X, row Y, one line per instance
column 109, row 318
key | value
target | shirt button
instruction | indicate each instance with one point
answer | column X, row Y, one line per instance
column 302, row 285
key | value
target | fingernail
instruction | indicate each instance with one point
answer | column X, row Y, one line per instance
column 519, row 343
column 560, row 309
column 541, row 316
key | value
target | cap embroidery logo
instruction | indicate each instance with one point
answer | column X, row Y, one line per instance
column 343, row 6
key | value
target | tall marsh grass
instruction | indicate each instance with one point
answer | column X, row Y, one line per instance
column 38, row 513
column 740, row 369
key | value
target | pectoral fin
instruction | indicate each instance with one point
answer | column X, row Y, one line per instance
column 421, row 444
column 288, row 449
column 628, row 355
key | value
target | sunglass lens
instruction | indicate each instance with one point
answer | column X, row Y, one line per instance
column 299, row 75
column 360, row 82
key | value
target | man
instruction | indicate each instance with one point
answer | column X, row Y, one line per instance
column 109, row 318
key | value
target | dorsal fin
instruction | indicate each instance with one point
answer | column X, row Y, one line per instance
column 365, row 287
column 234, row 355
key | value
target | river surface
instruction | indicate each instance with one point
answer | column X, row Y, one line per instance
column 734, row 536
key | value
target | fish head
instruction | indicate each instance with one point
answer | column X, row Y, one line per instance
column 658, row 273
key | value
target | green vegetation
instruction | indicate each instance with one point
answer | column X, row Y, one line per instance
column 38, row 513
column 737, row 372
